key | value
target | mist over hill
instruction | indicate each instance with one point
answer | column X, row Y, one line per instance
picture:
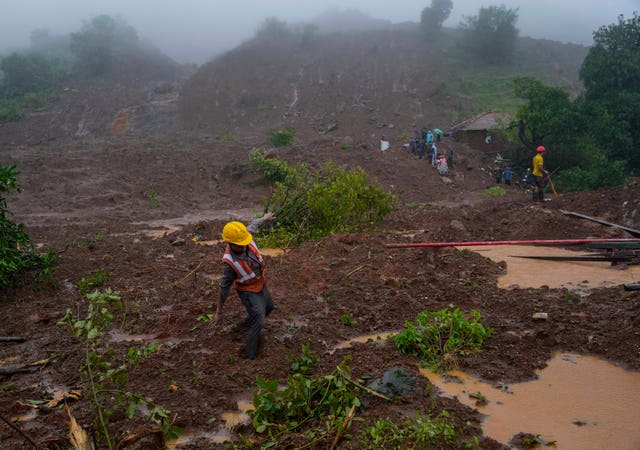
column 362, row 81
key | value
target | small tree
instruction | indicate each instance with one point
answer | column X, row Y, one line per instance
column 491, row 35
column 433, row 16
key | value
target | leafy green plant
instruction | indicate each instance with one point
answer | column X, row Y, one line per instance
column 313, row 409
column 439, row 337
column 494, row 191
column 95, row 280
column 420, row 432
column 303, row 362
column 105, row 379
column 310, row 205
column 346, row 320
column 283, row 137
column 274, row 169
column 91, row 242
column 152, row 196
column 16, row 252
column 344, row 145
column 229, row 137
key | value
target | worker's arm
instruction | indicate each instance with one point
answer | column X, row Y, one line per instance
column 257, row 223
column 228, row 275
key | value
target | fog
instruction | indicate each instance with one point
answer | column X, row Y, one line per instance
column 192, row 31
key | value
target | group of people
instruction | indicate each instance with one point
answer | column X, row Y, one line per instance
column 425, row 143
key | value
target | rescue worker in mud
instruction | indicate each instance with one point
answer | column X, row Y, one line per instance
column 243, row 267
column 539, row 173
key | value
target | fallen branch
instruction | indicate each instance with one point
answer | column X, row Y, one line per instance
column 12, row 339
column 11, row 370
column 345, row 424
column 357, row 269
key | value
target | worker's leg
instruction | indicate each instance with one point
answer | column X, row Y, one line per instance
column 256, row 306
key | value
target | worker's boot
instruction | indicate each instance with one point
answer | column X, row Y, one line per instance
column 535, row 196
column 541, row 196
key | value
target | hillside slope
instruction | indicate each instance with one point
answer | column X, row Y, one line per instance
column 361, row 81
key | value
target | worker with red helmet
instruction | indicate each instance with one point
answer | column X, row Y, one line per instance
column 243, row 267
column 539, row 173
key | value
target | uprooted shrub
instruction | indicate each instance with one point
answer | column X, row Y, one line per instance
column 16, row 252
column 311, row 204
column 438, row 338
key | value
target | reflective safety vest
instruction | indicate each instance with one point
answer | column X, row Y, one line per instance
column 247, row 280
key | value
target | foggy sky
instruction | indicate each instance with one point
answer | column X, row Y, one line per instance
column 195, row 30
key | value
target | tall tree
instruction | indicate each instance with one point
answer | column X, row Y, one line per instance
column 433, row 16
column 492, row 34
column 611, row 76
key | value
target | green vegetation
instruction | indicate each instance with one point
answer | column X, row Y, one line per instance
column 283, row 137
column 494, row 191
column 105, row 378
column 420, row 432
column 595, row 137
column 310, row 205
column 152, row 196
column 16, row 252
column 274, row 169
column 433, row 16
column 344, row 145
column 346, row 320
column 95, row 45
column 304, row 362
column 491, row 35
column 26, row 79
column 93, row 281
column 313, row 409
column 439, row 337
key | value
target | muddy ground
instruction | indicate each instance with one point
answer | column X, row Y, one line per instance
column 118, row 203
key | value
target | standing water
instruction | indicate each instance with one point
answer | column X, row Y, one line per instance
column 578, row 276
column 578, row 401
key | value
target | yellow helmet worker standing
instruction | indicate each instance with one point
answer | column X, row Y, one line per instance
column 539, row 173
column 243, row 267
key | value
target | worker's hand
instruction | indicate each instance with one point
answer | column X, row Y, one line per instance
column 269, row 216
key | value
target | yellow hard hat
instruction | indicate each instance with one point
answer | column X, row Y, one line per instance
column 236, row 233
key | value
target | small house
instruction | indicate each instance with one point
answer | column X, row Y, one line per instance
column 482, row 132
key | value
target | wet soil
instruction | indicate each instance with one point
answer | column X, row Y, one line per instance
column 95, row 201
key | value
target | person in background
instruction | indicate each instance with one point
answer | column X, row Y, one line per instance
column 434, row 156
column 507, row 176
column 450, row 157
column 539, row 173
column 498, row 173
column 442, row 165
column 243, row 267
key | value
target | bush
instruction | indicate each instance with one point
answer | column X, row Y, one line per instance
column 333, row 199
column 439, row 337
column 16, row 252
column 274, row 169
column 282, row 138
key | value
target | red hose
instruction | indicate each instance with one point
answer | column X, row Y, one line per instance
column 525, row 242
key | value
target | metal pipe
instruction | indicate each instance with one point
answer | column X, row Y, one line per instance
column 525, row 242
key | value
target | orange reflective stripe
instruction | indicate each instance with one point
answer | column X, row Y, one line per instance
column 247, row 279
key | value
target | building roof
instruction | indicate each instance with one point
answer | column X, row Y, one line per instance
column 485, row 121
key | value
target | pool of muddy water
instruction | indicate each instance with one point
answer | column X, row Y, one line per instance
column 577, row 276
column 578, row 401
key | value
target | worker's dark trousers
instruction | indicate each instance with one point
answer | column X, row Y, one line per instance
column 258, row 305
